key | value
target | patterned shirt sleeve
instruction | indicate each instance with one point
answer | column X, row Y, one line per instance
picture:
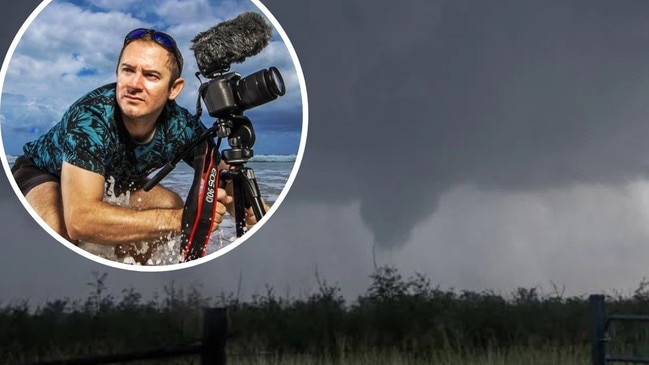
column 84, row 143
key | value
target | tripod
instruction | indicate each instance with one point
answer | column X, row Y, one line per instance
column 198, row 213
column 246, row 190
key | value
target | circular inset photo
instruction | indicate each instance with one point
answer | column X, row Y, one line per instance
column 155, row 135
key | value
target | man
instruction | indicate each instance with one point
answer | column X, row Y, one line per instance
column 123, row 131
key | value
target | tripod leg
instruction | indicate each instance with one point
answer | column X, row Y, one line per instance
column 246, row 194
column 239, row 199
column 239, row 204
column 253, row 196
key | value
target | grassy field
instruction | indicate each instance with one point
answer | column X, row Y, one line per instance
column 510, row 356
column 397, row 321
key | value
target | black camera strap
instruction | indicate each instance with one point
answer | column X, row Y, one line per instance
column 200, row 205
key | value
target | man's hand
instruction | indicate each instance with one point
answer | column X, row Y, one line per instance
column 250, row 217
column 223, row 201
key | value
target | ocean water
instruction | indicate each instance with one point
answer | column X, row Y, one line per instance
column 271, row 172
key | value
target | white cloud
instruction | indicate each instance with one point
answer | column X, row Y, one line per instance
column 184, row 11
column 62, row 42
column 66, row 28
column 585, row 237
column 113, row 4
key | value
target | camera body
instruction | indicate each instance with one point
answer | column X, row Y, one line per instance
column 230, row 94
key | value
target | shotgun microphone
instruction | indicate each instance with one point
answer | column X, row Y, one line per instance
column 230, row 41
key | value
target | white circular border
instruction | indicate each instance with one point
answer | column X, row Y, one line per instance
column 161, row 268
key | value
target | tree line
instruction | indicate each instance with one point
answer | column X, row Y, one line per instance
column 395, row 313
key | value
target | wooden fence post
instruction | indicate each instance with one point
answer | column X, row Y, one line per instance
column 598, row 334
column 215, row 334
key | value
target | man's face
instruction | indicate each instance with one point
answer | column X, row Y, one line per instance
column 143, row 81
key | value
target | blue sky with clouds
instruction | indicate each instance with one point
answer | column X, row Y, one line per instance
column 73, row 45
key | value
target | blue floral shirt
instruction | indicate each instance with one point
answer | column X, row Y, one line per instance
column 92, row 136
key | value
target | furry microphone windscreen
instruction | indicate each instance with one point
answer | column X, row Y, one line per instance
column 230, row 41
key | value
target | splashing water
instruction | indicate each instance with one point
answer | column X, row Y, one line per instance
column 165, row 251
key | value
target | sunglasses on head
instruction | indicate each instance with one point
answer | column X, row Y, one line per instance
column 161, row 38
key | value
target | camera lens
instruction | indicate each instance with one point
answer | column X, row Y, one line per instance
column 259, row 88
column 275, row 81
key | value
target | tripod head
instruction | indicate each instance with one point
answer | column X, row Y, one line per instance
column 241, row 137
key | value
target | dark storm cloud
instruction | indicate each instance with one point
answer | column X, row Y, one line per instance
column 407, row 100
column 10, row 24
column 423, row 95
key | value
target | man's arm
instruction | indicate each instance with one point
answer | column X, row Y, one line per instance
column 89, row 218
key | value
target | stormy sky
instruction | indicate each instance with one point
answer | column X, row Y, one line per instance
column 488, row 145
